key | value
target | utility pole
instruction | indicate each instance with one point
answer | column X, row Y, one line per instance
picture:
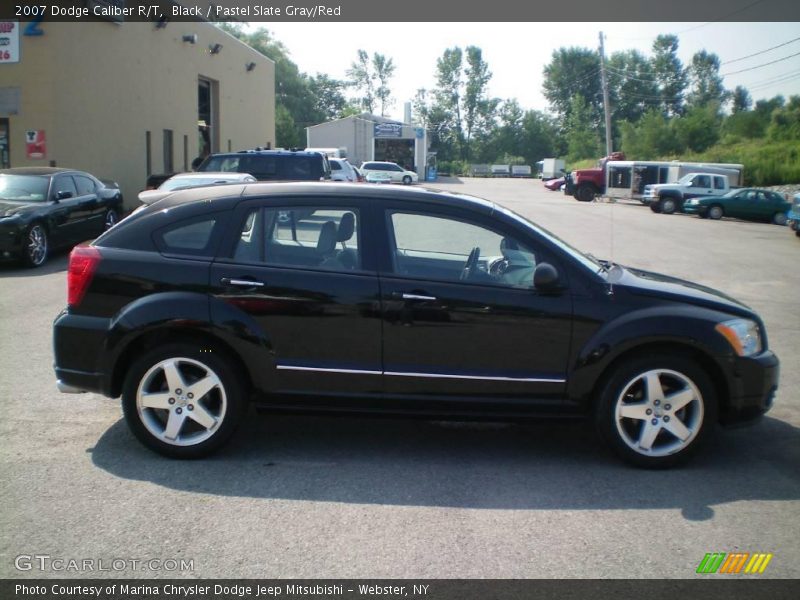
column 606, row 107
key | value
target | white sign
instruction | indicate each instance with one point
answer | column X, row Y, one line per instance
column 9, row 42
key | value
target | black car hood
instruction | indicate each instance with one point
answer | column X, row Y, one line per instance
column 8, row 208
column 648, row 283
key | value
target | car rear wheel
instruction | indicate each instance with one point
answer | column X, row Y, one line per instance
column 779, row 218
column 36, row 246
column 716, row 212
column 406, row 179
column 655, row 412
column 183, row 401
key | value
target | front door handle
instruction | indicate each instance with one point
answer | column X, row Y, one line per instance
column 247, row 283
column 419, row 297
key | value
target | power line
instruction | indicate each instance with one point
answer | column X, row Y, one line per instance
column 727, row 62
column 772, row 62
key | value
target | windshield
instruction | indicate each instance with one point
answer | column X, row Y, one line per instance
column 686, row 178
column 24, row 188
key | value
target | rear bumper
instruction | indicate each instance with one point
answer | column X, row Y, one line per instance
column 78, row 343
column 752, row 388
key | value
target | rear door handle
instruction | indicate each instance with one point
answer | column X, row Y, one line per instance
column 247, row 283
column 419, row 297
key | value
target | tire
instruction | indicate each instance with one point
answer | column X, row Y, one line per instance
column 779, row 218
column 110, row 219
column 716, row 212
column 585, row 193
column 643, row 434
column 656, row 206
column 36, row 246
column 669, row 205
column 172, row 424
column 406, row 179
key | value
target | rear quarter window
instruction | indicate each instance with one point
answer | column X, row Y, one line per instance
column 197, row 236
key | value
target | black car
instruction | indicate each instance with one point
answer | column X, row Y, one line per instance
column 44, row 208
column 397, row 301
column 271, row 165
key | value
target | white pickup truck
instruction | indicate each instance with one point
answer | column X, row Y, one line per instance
column 668, row 198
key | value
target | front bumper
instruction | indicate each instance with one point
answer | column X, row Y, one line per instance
column 752, row 390
column 694, row 209
column 11, row 236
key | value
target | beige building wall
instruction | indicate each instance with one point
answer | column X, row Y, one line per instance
column 96, row 88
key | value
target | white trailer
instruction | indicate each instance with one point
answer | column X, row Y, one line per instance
column 626, row 179
column 551, row 168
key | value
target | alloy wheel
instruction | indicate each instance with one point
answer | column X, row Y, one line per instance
column 37, row 245
column 659, row 412
column 181, row 401
column 111, row 219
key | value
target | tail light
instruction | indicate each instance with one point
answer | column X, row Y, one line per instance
column 83, row 261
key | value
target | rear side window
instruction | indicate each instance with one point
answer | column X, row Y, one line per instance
column 85, row 185
column 719, row 183
column 190, row 237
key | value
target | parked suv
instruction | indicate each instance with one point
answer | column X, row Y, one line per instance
column 395, row 172
column 394, row 301
column 271, row 165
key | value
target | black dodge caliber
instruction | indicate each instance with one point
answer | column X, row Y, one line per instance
column 370, row 299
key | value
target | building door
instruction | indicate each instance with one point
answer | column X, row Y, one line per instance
column 5, row 149
column 207, row 126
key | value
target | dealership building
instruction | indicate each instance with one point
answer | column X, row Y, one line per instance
column 125, row 100
column 368, row 137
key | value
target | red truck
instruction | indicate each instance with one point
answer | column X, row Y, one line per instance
column 585, row 184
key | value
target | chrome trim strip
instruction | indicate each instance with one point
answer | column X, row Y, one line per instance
column 326, row 370
column 480, row 377
column 418, row 297
column 428, row 375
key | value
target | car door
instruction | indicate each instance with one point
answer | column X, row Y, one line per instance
column 485, row 334
column 68, row 218
column 91, row 204
column 302, row 272
column 396, row 172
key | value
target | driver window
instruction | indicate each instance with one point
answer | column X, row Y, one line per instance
column 443, row 248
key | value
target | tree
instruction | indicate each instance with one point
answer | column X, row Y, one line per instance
column 706, row 81
column 785, row 123
column 330, row 101
column 631, row 86
column 384, row 71
column 669, row 75
column 741, row 100
column 649, row 139
column 363, row 80
column 445, row 112
column 699, row 128
column 371, row 78
column 583, row 139
column 573, row 71
column 479, row 109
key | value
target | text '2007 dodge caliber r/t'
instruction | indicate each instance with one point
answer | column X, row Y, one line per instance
column 392, row 300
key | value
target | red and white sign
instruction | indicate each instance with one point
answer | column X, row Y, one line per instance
column 35, row 143
column 9, row 42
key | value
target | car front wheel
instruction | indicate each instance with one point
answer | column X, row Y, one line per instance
column 668, row 206
column 36, row 246
column 655, row 412
column 183, row 401
column 715, row 212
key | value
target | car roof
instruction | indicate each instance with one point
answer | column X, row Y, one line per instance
column 230, row 194
column 36, row 171
column 269, row 153
column 211, row 175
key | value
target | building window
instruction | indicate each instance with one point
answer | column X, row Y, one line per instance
column 169, row 166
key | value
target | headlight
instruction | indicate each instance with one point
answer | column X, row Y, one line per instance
column 742, row 334
column 692, row 201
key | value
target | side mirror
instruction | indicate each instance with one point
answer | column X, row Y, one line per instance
column 63, row 195
column 545, row 278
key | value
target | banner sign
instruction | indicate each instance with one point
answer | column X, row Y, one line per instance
column 388, row 130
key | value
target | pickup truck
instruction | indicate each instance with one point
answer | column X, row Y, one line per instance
column 668, row 198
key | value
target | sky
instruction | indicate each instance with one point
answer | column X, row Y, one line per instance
column 517, row 52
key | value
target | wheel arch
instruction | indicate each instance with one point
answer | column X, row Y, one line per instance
column 692, row 352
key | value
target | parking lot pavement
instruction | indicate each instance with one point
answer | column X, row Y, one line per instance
column 347, row 497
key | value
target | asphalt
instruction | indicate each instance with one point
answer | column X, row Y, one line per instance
column 351, row 497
